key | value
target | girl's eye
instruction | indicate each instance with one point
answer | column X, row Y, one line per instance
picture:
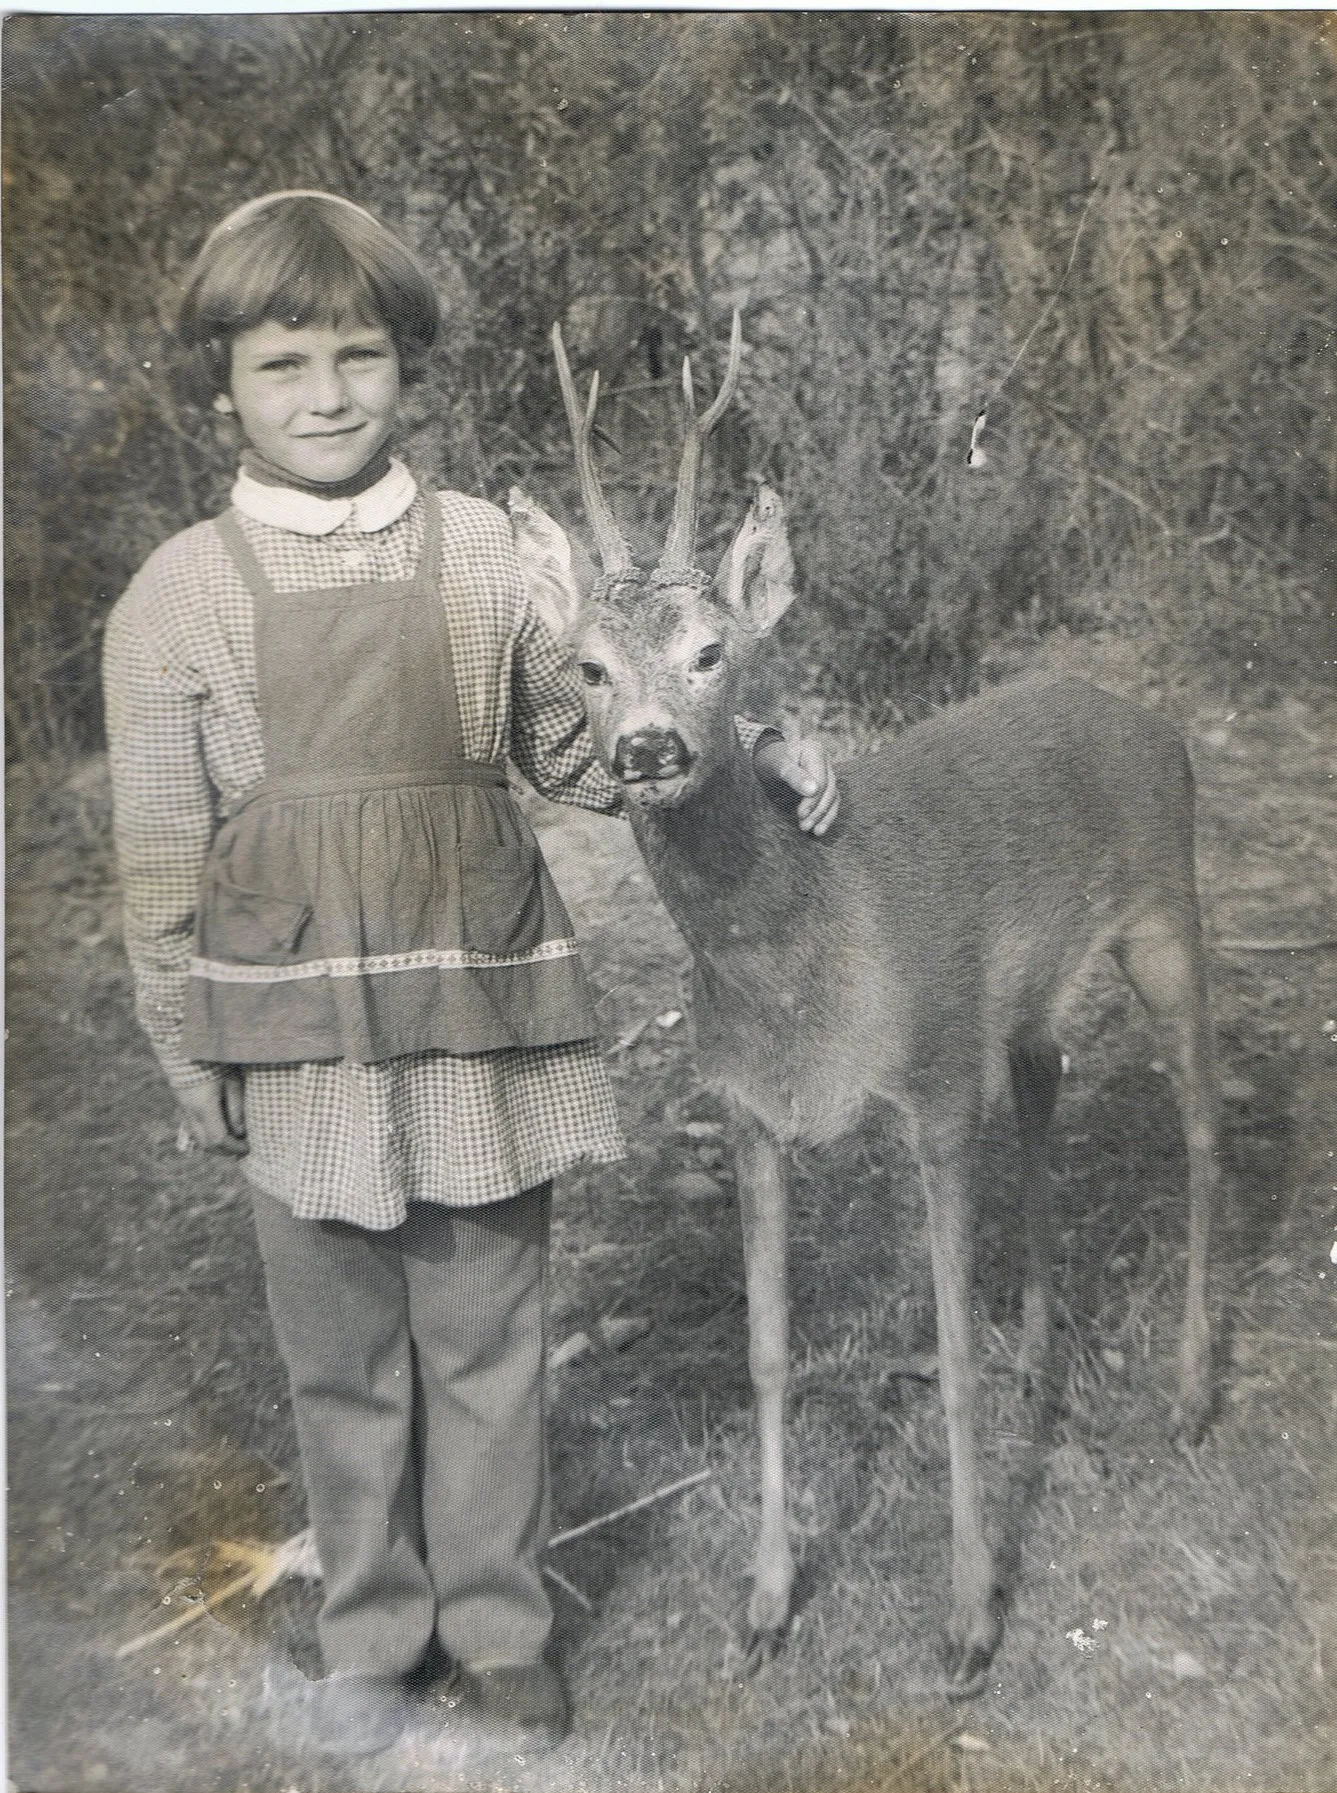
column 709, row 656
column 593, row 673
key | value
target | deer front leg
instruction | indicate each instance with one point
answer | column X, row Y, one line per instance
column 763, row 1193
column 949, row 1165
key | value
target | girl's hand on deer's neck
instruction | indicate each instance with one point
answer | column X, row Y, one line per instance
column 805, row 770
column 315, row 402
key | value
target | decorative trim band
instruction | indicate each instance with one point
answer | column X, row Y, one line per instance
column 219, row 971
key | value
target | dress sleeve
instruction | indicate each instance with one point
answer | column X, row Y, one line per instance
column 550, row 737
column 163, row 822
column 752, row 734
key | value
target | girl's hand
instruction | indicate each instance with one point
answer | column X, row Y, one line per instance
column 215, row 1116
column 805, row 769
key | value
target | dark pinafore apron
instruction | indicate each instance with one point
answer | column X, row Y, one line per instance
column 377, row 893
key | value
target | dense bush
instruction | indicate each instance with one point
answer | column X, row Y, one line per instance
column 1115, row 230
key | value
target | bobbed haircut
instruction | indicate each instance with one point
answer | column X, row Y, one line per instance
column 301, row 258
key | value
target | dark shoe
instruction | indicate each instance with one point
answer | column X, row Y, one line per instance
column 521, row 1706
column 357, row 1715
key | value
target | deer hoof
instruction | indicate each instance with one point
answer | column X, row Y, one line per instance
column 768, row 1609
column 969, row 1656
column 1188, row 1421
column 761, row 1647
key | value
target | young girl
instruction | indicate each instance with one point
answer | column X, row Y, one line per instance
column 350, row 957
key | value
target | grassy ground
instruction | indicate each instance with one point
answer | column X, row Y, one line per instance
column 1174, row 1620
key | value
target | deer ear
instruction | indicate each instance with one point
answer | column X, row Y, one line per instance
column 756, row 576
column 545, row 561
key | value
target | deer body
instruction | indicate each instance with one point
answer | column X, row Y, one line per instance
column 919, row 954
column 968, row 881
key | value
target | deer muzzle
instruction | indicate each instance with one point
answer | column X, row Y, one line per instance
column 649, row 756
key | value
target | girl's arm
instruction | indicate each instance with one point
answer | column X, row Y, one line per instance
column 163, row 820
column 550, row 738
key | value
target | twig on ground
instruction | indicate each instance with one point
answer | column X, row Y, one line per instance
column 266, row 1564
column 902, row 1769
column 1289, row 1338
column 634, row 1506
column 568, row 1588
column 237, row 1585
column 1316, row 945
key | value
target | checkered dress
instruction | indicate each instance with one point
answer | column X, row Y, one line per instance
column 336, row 1139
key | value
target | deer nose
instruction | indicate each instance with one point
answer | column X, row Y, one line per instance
column 650, row 753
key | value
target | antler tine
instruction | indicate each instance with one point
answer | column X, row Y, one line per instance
column 730, row 382
column 681, row 543
column 613, row 550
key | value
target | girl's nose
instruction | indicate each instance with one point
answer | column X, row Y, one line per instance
column 327, row 391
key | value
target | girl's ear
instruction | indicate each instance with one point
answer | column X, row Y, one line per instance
column 223, row 404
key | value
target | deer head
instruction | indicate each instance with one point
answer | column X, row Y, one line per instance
column 659, row 651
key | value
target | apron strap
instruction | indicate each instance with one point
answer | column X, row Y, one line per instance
column 248, row 564
column 429, row 556
column 427, row 582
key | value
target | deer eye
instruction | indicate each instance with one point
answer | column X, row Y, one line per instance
column 710, row 655
column 593, row 673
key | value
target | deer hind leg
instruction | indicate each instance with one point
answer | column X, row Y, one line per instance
column 949, row 1166
column 1036, row 1067
column 763, row 1193
column 1165, row 963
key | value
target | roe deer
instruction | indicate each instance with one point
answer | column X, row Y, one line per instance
column 916, row 953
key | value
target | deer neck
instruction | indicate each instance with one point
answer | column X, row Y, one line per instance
column 731, row 868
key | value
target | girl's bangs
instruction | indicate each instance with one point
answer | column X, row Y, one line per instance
column 323, row 286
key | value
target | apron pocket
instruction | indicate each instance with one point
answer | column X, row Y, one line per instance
column 249, row 925
column 501, row 896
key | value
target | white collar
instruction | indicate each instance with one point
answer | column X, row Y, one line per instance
column 305, row 514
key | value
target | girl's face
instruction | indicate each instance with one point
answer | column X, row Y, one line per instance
column 317, row 401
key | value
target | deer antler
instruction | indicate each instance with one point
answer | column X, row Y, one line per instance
column 613, row 550
column 681, row 544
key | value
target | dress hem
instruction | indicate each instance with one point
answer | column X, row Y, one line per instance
column 322, row 1210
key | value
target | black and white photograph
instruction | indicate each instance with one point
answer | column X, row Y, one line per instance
column 671, row 901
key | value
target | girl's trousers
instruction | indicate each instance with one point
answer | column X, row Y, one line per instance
column 416, row 1363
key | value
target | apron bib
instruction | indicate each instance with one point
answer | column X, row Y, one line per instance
column 377, row 894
